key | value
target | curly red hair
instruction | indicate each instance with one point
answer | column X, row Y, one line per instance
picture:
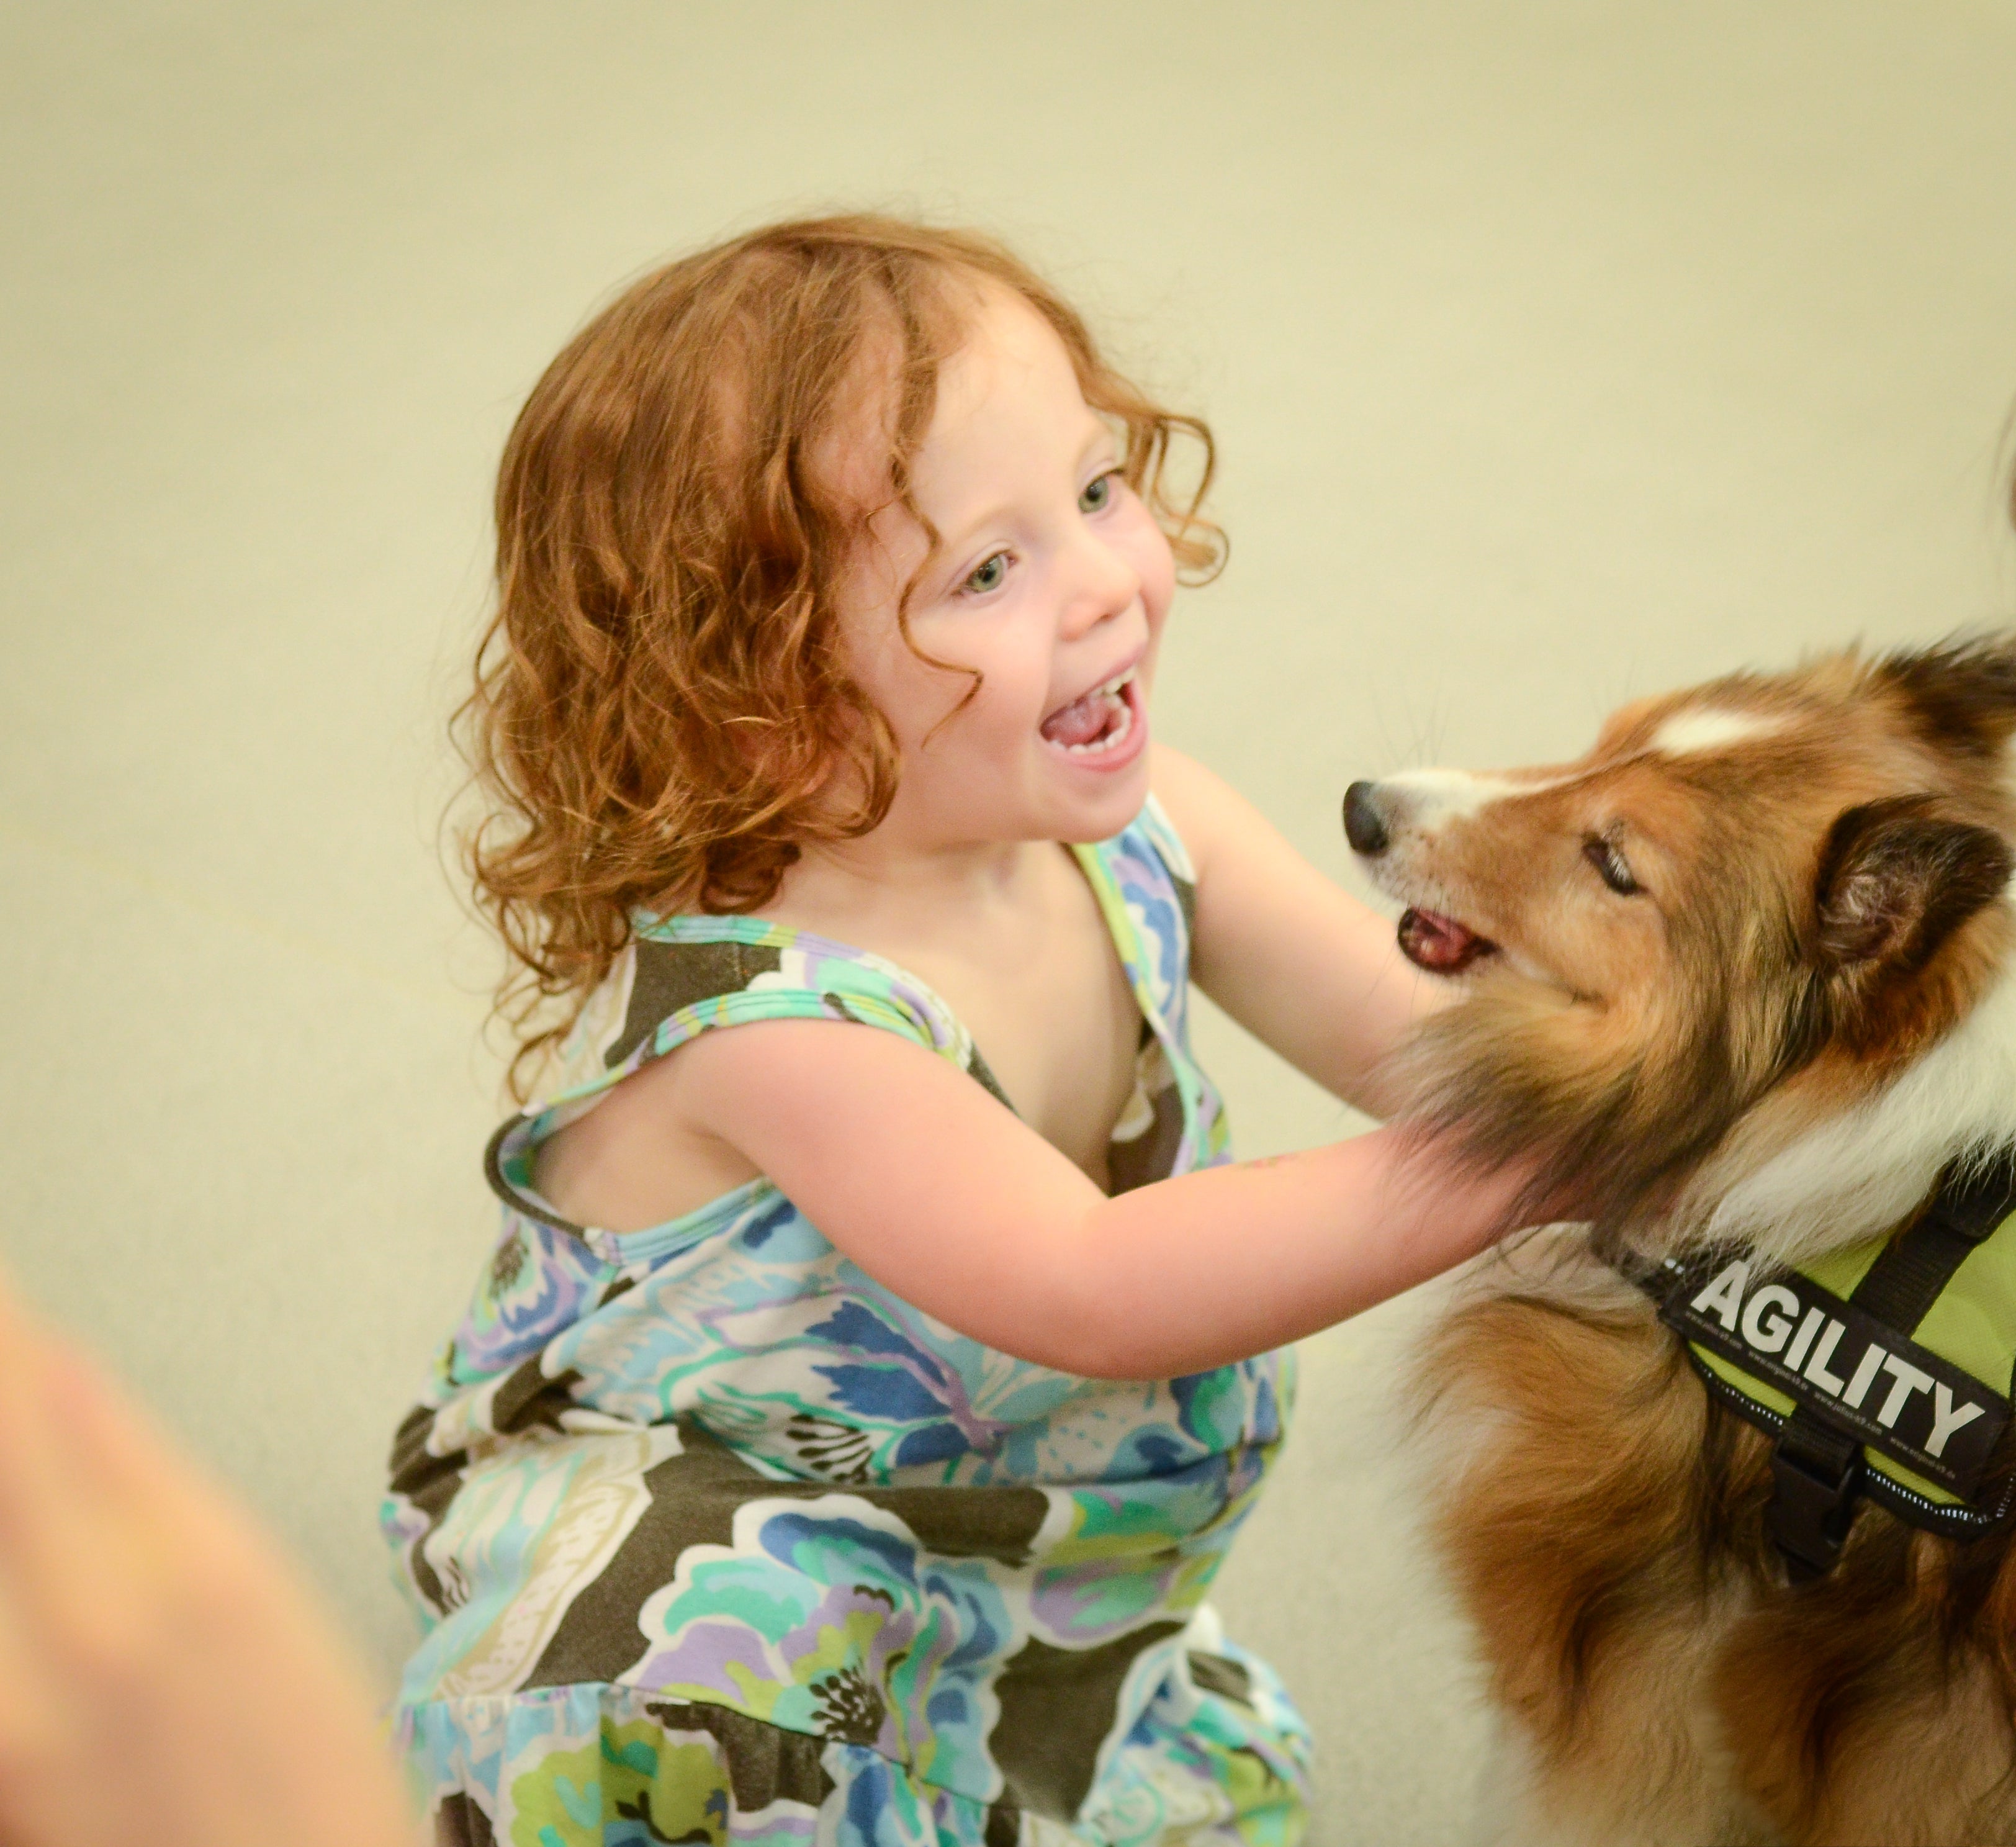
column 661, row 714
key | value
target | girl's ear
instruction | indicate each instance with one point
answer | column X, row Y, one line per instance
column 1896, row 879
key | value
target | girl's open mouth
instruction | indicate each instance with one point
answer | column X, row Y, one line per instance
column 1440, row 945
column 1099, row 723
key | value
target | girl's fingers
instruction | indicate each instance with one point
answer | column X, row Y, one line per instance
column 114, row 1442
column 93, row 1514
column 64, row 1419
column 47, row 1552
column 32, row 1467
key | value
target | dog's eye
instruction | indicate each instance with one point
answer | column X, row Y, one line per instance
column 1612, row 868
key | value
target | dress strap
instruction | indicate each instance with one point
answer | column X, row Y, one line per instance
column 670, row 978
column 681, row 977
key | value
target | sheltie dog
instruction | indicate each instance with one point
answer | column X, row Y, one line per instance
column 1743, row 976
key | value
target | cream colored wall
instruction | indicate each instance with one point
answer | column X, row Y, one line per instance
column 1557, row 351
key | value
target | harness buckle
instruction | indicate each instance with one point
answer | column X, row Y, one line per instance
column 1815, row 1474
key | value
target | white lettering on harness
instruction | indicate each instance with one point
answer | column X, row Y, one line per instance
column 1866, row 1368
column 1804, row 1338
column 1723, row 1296
column 1816, row 1367
column 1769, row 1336
column 1910, row 1379
column 1806, row 1332
column 1945, row 1420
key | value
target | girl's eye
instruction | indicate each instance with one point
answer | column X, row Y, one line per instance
column 1098, row 495
column 989, row 576
column 1612, row 868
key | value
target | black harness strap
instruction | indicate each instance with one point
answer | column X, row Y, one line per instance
column 1816, row 1470
column 1905, row 1280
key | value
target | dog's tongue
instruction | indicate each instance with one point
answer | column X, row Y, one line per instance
column 1438, row 944
column 1079, row 722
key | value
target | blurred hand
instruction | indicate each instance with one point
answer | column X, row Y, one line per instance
column 164, row 1677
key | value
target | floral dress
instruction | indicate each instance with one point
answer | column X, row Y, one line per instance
column 716, row 1540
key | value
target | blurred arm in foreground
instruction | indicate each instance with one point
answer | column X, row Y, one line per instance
column 163, row 1676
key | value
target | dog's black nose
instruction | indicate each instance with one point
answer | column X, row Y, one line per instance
column 1363, row 826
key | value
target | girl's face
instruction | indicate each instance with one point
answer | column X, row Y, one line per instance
column 1051, row 579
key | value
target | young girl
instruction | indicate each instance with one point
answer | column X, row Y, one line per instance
column 860, row 1400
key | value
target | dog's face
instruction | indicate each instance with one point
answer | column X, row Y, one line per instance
column 1750, row 905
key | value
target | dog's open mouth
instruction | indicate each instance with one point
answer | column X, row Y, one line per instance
column 1440, row 945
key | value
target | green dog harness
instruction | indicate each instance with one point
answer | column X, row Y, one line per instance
column 1884, row 1368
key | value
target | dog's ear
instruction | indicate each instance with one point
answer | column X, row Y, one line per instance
column 1961, row 695
column 1896, row 879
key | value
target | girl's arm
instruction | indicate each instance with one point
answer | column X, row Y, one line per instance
column 1302, row 965
column 948, row 1200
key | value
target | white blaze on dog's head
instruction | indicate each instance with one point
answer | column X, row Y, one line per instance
column 1708, row 727
column 1430, row 799
column 1737, row 924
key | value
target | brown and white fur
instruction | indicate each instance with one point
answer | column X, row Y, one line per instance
column 1747, row 970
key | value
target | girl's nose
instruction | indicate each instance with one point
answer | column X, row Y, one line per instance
column 1103, row 583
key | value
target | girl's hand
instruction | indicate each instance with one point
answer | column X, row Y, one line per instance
column 163, row 1677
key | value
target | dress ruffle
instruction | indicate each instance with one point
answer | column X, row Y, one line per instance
column 1219, row 1759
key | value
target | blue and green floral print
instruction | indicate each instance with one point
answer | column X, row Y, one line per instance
column 717, row 1540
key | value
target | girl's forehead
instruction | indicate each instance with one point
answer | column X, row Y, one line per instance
column 1009, row 350
column 1007, row 404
